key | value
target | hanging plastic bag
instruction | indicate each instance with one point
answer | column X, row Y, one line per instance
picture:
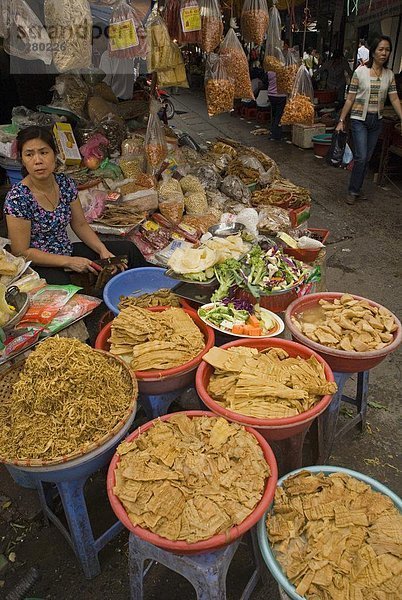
column 183, row 20
column 254, row 21
column 300, row 108
column 69, row 23
column 155, row 140
column 237, row 65
column 337, row 149
column 211, row 25
column 26, row 37
column 127, row 37
column 219, row 88
column 163, row 55
column 287, row 78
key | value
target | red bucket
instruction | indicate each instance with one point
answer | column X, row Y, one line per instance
column 339, row 360
column 217, row 541
column 270, row 429
column 161, row 382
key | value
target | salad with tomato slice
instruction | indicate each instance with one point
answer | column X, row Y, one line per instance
column 253, row 321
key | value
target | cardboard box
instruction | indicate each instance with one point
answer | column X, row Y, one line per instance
column 302, row 135
column 68, row 149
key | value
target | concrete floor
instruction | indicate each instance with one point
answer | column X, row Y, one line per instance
column 363, row 257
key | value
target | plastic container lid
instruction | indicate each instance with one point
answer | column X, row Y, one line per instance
column 322, row 138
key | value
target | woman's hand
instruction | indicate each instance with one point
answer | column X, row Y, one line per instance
column 340, row 126
column 105, row 253
column 80, row 265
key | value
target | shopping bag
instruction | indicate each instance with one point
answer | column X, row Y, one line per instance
column 337, row 149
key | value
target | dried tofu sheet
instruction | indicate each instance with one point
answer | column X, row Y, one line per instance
column 155, row 340
column 336, row 538
column 189, row 479
column 268, row 384
column 348, row 324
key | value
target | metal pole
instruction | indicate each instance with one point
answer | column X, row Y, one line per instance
column 305, row 27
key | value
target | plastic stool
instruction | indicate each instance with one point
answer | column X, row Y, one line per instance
column 250, row 113
column 158, row 405
column 263, row 116
column 69, row 479
column 326, row 423
column 289, row 452
column 206, row 572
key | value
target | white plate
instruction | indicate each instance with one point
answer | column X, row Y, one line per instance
column 280, row 326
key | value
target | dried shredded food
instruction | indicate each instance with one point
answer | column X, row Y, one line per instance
column 348, row 324
column 189, row 479
column 155, row 340
column 336, row 538
column 67, row 397
column 162, row 297
column 268, row 384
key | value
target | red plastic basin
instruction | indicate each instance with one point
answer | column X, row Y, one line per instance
column 217, row 541
column 339, row 360
column 270, row 429
column 155, row 382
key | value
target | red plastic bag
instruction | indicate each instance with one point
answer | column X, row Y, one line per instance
column 46, row 303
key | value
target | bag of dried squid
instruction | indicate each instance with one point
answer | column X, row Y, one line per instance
column 254, row 21
column 219, row 87
column 237, row 65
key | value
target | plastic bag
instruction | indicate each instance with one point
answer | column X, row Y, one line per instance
column 71, row 92
column 337, row 149
column 155, row 139
column 237, row 65
column 114, row 129
column 347, row 155
column 273, row 46
column 219, row 88
column 163, row 55
column 46, row 303
column 25, row 36
column 127, row 37
column 208, row 176
column 274, row 220
column 211, row 24
column 233, row 187
column 183, row 20
column 96, row 206
column 196, row 203
column 94, row 151
column 300, row 108
column 69, row 23
column 76, row 308
column 254, row 21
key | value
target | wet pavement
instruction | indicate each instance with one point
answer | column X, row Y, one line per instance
column 363, row 257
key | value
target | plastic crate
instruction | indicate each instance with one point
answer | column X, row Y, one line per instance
column 299, row 215
column 302, row 135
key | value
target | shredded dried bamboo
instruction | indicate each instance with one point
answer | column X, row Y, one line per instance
column 68, row 396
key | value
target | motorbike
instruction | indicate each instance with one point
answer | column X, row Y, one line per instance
column 167, row 111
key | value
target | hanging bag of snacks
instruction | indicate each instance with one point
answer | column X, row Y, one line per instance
column 292, row 60
column 155, row 140
column 219, row 88
column 300, row 108
column 69, row 23
column 127, row 38
column 237, row 65
column 163, row 56
column 274, row 59
column 254, row 21
column 211, row 24
column 183, row 20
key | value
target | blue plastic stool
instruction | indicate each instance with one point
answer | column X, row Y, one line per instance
column 70, row 479
column 206, row 572
column 326, row 423
column 158, row 405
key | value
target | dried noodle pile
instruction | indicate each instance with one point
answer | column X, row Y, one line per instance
column 189, row 479
column 266, row 385
column 162, row 297
column 336, row 538
column 155, row 340
column 67, row 397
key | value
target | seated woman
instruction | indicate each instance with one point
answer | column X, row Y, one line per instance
column 39, row 209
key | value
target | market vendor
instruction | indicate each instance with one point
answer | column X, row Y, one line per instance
column 39, row 209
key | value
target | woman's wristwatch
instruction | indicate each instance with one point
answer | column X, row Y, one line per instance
column 340, row 121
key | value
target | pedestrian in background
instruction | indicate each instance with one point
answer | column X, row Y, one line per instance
column 368, row 90
column 336, row 68
column 277, row 102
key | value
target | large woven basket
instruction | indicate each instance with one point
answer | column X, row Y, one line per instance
column 10, row 377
